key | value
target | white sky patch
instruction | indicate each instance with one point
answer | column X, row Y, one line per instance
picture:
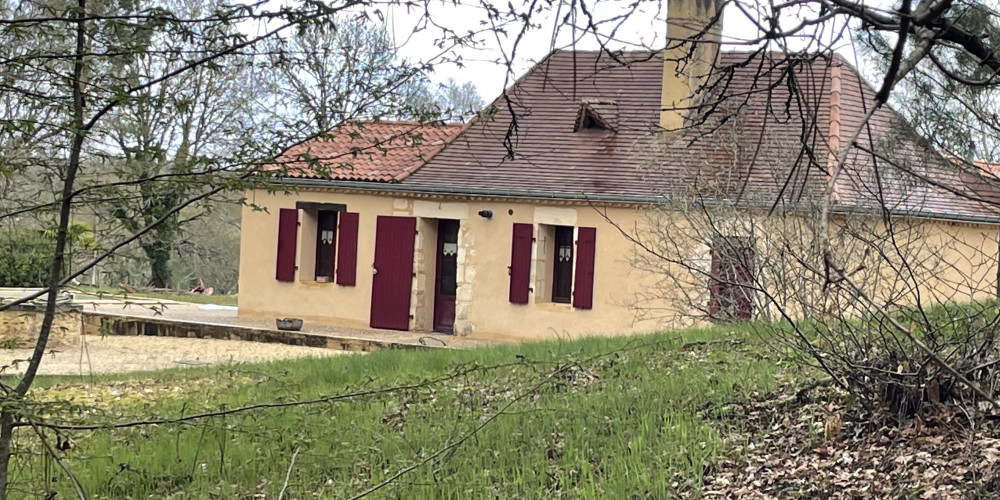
column 486, row 63
column 494, row 61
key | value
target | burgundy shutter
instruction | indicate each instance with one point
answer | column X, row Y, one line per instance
column 347, row 249
column 520, row 263
column 288, row 231
column 583, row 281
column 744, row 276
column 715, row 283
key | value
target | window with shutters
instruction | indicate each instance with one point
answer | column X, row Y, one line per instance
column 327, row 252
column 564, row 265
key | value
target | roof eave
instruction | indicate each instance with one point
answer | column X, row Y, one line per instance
column 598, row 198
column 532, row 194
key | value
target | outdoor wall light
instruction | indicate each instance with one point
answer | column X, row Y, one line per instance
column 486, row 214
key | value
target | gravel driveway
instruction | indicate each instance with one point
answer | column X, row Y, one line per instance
column 120, row 354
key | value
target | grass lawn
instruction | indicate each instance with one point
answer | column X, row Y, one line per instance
column 626, row 417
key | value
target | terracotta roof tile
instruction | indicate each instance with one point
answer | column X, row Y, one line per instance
column 366, row 151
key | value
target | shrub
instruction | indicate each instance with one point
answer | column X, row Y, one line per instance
column 25, row 257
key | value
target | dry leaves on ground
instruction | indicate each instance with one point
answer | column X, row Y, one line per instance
column 793, row 449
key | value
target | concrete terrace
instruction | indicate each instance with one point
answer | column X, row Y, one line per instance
column 182, row 319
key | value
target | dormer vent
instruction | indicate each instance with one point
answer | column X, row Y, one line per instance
column 597, row 115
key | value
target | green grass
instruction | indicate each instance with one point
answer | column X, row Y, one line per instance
column 626, row 417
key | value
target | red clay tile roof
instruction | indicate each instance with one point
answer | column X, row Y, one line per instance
column 366, row 151
column 774, row 145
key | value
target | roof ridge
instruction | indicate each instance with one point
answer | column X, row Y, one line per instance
column 834, row 128
column 432, row 123
column 444, row 143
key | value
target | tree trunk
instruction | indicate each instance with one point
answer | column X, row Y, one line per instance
column 79, row 132
column 6, row 438
column 159, row 264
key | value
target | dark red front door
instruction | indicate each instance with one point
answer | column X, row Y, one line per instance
column 393, row 270
column 445, row 282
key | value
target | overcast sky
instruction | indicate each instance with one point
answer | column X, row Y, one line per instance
column 485, row 67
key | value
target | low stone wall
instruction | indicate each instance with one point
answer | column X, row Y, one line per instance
column 19, row 326
column 106, row 324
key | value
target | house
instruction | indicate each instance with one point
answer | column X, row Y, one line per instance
column 526, row 232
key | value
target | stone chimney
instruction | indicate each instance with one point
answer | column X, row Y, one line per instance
column 691, row 53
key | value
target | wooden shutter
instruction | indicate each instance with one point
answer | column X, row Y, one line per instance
column 715, row 287
column 731, row 280
column 347, row 249
column 520, row 263
column 744, row 276
column 583, row 280
column 288, row 233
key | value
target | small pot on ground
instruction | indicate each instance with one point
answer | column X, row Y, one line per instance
column 288, row 324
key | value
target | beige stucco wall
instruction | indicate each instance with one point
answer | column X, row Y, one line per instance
column 482, row 307
column 632, row 291
column 912, row 261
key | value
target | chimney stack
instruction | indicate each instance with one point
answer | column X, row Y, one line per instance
column 689, row 58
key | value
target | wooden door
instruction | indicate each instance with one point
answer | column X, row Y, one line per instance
column 393, row 270
column 445, row 282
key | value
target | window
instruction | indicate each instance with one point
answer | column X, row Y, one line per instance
column 562, row 265
column 326, row 236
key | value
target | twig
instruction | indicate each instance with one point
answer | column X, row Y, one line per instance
column 84, row 348
column 423, row 340
column 76, row 483
column 706, row 343
column 288, row 474
column 260, row 406
column 801, row 393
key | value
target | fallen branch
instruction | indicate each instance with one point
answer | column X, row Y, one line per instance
column 800, row 395
column 706, row 343
column 288, row 474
